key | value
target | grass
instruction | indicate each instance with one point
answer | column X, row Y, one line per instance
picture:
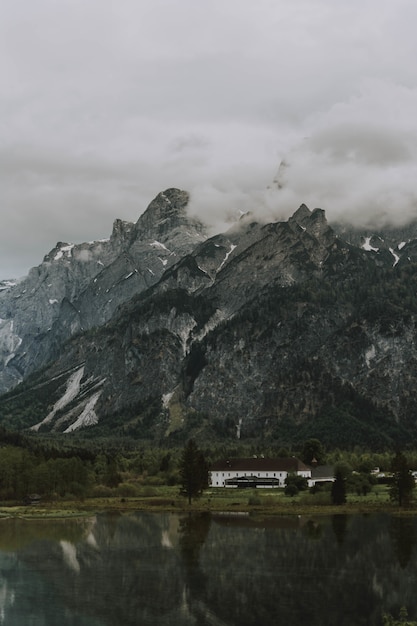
column 165, row 498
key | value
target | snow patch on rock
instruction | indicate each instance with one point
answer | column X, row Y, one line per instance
column 88, row 417
column 71, row 392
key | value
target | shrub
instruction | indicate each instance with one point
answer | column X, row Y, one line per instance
column 102, row 491
column 254, row 500
column 299, row 482
column 155, row 481
column 291, row 490
column 320, row 499
column 127, row 490
column 148, row 492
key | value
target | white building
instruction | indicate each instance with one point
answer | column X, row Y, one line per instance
column 256, row 472
column 321, row 474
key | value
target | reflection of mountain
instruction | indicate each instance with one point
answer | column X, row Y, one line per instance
column 117, row 572
column 15, row 533
column 169, row 570
column 121, row 575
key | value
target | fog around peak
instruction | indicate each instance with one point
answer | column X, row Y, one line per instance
column 248, row 106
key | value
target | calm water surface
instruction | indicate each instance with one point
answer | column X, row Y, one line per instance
column 144, row 569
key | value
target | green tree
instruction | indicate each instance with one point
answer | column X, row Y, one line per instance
column 389, row 620
column 193, row 470
column 313, row 450
column 338, row 493
column 359, row 483
column 402, row 486
column 295, row 483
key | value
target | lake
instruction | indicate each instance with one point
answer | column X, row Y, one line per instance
column 216, row 570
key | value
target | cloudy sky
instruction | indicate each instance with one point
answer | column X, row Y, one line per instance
column 248, row 105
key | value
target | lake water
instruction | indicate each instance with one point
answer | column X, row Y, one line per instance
column 220, row 570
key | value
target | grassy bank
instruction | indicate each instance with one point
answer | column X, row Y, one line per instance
column 164, row 498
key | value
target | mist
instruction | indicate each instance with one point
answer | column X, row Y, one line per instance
column 248, row 107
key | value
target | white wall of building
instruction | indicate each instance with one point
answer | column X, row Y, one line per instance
column 217, row 479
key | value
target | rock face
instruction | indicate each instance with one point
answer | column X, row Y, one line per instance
column 78, row 287
column 282, row 330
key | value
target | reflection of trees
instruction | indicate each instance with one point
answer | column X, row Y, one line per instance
column 273, row 576
column 403, row 536
column 339, row 525
column 313, row 529
column 193, row 533
column 186, row 570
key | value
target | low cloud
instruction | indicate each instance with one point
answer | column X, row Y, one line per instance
column 103, row 106
column 359, row 160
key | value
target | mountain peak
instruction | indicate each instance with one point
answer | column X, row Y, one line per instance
column 166, row 211
column 314, row 222
column 121, row 232
column 301, row 214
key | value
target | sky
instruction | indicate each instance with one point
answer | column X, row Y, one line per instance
column 247, row 105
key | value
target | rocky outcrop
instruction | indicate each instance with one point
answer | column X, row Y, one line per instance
column 280, row 330
column 78, row 287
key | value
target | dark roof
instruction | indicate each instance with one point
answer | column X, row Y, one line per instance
column 258, row 464
column 323, row 471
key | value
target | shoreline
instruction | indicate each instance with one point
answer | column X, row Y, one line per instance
column 92, row 506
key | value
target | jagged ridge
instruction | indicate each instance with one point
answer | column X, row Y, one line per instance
column 281, row 330
column 78, row 287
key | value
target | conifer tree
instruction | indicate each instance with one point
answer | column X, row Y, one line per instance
column 338, row 493
column 193, row 471
column 401, row 490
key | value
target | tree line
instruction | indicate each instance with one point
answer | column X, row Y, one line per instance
column 58, row 467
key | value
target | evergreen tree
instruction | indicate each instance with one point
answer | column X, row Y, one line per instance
column 401, row 490
column 193, row 471
column 338, row 493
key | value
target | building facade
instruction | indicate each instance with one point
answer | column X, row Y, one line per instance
column 256, row 472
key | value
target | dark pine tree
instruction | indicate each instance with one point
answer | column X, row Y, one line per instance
column 193, row 471
column 338, row 492
column 402, row 486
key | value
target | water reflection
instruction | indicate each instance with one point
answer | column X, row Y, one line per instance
column 339, row 525
column 403, row 537
column 199, row 569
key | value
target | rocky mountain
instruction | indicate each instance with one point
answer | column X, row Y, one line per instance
column 282, row 330
column 394, row 242
column 79, row 287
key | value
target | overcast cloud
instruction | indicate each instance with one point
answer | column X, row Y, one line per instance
column 104, row 104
